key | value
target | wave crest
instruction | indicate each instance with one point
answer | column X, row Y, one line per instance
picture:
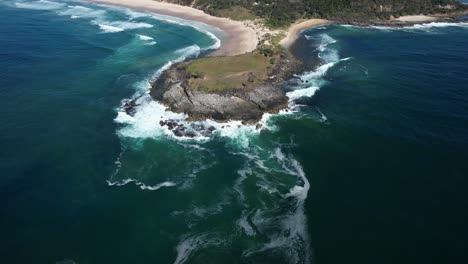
column 40, row 5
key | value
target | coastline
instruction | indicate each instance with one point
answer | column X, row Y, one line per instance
column 296, row 29
column 242, row 37
column 238, row 38
column 259, row 94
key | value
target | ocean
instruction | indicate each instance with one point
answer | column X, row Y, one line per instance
column 368, row 165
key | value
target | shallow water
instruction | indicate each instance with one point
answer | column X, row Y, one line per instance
column 368, row 167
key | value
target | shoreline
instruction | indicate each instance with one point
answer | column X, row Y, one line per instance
column 259, row 94
column 238, row 38
column 242, row 37
column 295, row 30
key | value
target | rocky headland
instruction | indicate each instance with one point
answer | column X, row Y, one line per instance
column 247, row 102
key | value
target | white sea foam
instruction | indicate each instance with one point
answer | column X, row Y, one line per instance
column 145, row 122
column 109, row 28
column 40, row 5
column 217, row 41
column 210, row 31
column 202, row 212
column 423, row 26
column 129, row 25
column 188, row 245
column 322, row 116
column 244, row 224
column 313, row 80
column 293, row 240
column 141, row 185
column 429, row 27
column 135, row 14
column 149, row 41
column 296, row 94
column 439, row 25
column 185, row 248
column 203, row 28
column 118, row 26
column 81, row 12
column 325, row 41
column 327, row 54
column 293, row 167
column 158, row 186
column 143, row 37
column 320, row 71
column 188, row 52
column 279, row 217
column 267, row 187
column 317, row 73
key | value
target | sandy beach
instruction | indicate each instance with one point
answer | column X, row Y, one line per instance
column 295, row 30
column 238, row 38
column 416, row 18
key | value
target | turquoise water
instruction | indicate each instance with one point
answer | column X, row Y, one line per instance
column 369, row 166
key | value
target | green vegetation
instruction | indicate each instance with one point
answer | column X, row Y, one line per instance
column 224, row 73
column 236, row 72
column 280, row 13
column 236, row 13
column 269, row 45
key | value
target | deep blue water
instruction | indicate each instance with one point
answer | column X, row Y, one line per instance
column 370, row 168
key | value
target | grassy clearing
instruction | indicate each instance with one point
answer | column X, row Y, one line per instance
column 236, row 13
column 224, row 73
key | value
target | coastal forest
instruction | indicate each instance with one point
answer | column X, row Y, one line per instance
column 280, row 13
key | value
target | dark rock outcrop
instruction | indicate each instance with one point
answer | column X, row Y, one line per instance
column 247, row 104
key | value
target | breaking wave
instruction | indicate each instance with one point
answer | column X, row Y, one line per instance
column 203, row 28
column 148, row 40
column 425, row 27
column 81, row 12
column 118, row 26
column 101, row 18
column 308, row 83
column 439, row 25
column 306, row 92
column 143, row 37
column 109, row 28
column 40, row 5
